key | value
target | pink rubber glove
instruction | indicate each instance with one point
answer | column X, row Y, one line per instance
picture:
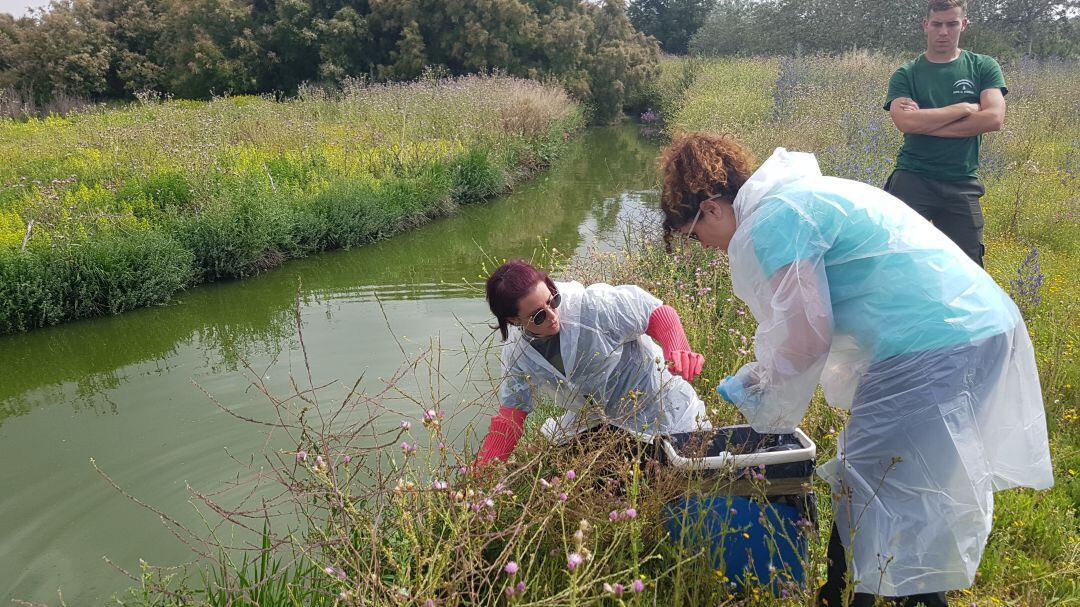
column 686, row 363
column 505, row 430
column 666, row 328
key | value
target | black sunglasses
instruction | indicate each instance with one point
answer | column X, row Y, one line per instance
column 540, row 316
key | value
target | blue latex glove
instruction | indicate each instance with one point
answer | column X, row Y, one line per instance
column 731, row 390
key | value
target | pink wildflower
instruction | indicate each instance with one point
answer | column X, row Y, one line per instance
column 511, row 568
column 574, row 560
column 520, row 587
column 637, row 586
column 301, row 455
column 347, row 459
column 570, row 475
column 431, row 417
column 563, row 497
column 631, row 513
column 406, row 424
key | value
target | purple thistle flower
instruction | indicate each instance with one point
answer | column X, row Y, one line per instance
column 509, row 592
column 301, row 456
column 614, row 516
column 570, row 475
column 511, row 568
column 406, row 424
column 520, row 587
column 637, row 586
column 574, row 560
column 631, row 513
column 563, row 497
column 346, row 459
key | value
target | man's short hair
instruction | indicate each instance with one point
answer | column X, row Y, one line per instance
column 936, row 6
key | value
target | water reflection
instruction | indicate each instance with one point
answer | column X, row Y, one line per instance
column 120, row 389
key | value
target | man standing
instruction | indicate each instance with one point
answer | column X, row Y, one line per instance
column 943, row 102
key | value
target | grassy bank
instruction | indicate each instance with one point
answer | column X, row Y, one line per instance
column 119, row 208
column 401, row 525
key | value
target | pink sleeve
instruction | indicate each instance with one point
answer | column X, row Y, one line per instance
column 506, row 429
column 666, row 328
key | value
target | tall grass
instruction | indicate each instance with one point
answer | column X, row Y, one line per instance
column 200, row 191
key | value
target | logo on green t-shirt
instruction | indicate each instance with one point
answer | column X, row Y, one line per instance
column 964, row 87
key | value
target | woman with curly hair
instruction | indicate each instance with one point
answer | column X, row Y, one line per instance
column 856, row 292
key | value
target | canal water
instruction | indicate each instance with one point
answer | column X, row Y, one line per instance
column 130, row 392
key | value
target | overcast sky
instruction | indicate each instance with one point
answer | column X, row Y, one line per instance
column 18, row 7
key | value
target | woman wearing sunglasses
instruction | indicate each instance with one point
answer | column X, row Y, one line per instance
column 586, row 347
column 854, row 290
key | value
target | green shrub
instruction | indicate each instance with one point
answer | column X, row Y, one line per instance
column 164, row 190
column 108, row 274
column 476, row 177
column 240, row 233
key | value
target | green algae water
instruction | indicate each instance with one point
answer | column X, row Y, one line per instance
column 130, row 392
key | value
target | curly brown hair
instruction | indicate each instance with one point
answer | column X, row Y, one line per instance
column 696, row 166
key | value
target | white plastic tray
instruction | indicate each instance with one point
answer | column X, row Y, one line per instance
column 726, row 459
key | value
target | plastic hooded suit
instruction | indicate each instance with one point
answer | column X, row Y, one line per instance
column 853, row 290
column 614, row 372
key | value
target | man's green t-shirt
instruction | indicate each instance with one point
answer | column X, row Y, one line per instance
column 934, row 85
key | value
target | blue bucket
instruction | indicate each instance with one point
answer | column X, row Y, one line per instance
column 751, row 504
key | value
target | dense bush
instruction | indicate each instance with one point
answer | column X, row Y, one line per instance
column 107, row 274
column 114, row 48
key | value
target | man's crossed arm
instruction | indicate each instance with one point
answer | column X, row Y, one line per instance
column 957, row 120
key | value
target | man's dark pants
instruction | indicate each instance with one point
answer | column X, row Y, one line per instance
column 953, row 207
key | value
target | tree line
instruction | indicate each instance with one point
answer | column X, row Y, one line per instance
column 200, row 48
column 1002, row 28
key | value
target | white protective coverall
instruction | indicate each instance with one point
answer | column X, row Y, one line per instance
column 613, row 369
column 854, row 290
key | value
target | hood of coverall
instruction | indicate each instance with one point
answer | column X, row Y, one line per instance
column 782, row 167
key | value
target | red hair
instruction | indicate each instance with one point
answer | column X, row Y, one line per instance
column 508, row 285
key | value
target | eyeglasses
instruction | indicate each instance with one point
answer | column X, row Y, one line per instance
column 540, row 316
column 690, row 233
